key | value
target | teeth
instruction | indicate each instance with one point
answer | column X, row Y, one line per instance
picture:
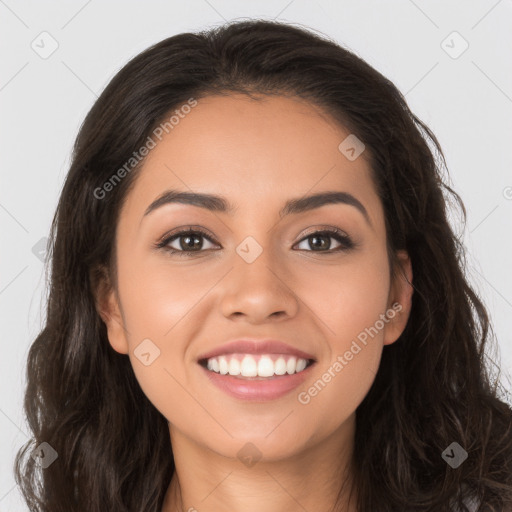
column 213, row 365
column 280, row 366
column 247, row 365
column 291, row 365
column 223, row 365
column 265, row 367
column 301, row 364
column 234, row 367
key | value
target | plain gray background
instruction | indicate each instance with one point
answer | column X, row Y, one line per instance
column 463, row 94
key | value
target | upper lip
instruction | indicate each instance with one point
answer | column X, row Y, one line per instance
column 253, row 346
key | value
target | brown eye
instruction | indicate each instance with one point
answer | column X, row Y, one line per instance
column 186, row 242
column 320, row 241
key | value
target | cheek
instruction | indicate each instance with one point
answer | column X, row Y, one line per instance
column 347, row 297
column 156, row 296
column 358, row 301
column 157, row 301
column 350, row 304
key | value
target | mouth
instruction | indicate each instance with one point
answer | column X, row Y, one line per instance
column 256, row 366
column 257, row 378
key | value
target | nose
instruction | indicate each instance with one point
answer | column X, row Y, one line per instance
column 259, row 291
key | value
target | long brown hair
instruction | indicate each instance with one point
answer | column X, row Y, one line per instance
column 434, row 385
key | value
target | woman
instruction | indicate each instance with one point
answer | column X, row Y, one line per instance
column 257, row 301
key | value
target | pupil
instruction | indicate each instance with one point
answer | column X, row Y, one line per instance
column 321, row 245
column 187, row 239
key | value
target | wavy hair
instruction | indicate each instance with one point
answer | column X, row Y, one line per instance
column 434, row 385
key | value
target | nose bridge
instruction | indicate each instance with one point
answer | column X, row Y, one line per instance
column 257, row 265
column 257, row 286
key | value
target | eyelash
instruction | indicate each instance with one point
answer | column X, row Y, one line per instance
column 345, row 241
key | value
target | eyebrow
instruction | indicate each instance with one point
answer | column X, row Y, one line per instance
column 293, row 206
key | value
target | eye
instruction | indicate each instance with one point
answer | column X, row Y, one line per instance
column 190, row 241
column 185, row 242
column 321, row 240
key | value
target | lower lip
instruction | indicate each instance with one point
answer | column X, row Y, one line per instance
column 258, row 390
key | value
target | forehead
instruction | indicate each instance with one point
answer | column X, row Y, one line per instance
column 250, row 150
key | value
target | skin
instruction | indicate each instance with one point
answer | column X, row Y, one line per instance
column 257, row 154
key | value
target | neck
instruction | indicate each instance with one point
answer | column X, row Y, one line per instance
column 318, row 478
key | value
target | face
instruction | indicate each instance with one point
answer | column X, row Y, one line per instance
column 316, row 279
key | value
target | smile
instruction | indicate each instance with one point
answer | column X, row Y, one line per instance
column 251, row 365
column 259, row 378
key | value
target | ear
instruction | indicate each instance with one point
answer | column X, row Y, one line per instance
column 107, row 306
column 400, row 299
